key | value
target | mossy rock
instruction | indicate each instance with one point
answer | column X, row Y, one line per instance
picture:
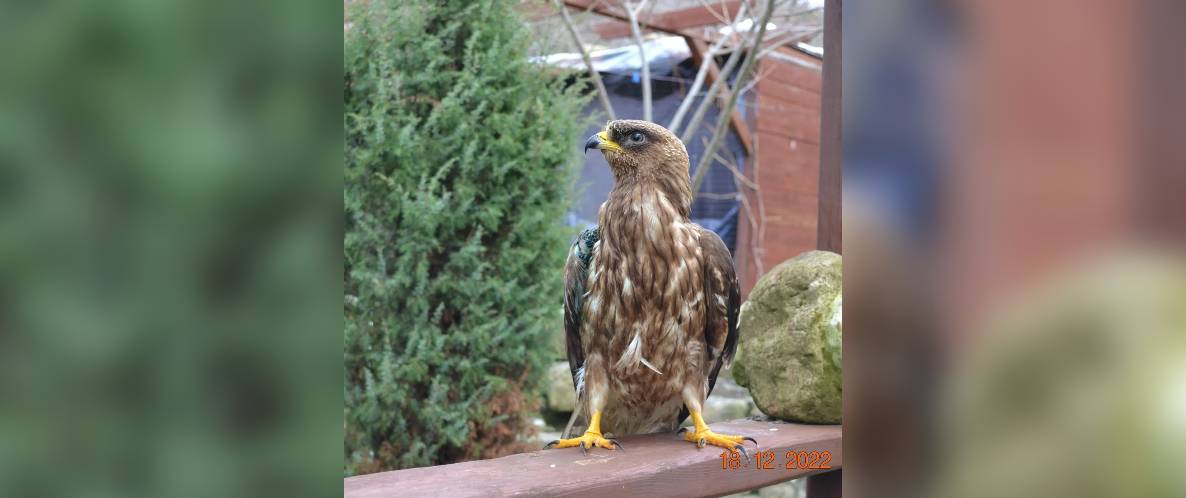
column 788, row 353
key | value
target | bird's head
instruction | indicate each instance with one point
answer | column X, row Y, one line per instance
column 641, row 149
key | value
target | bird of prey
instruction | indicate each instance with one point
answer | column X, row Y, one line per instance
column 651, row 299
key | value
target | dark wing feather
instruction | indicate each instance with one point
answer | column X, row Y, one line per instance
column 576, row 271
column 723, row 300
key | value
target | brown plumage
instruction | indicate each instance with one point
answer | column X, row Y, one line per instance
column 651, row 298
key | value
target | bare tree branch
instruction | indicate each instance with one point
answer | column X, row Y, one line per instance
column 722, row 80
column 723, row 119
column 754, row 80
column 721, row 17
column 705, row 63
column 758, row 243
column 633, row 10
column 797, row 13
column 737, row 174
column 593, row 75
column 757, row 221
column 711, row 95
column 755, row 244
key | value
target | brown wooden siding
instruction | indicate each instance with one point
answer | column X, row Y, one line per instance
column 786, row 125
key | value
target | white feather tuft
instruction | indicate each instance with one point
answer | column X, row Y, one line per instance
column 632, row 354
column 580, row 380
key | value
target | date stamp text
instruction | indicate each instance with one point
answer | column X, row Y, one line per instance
column 771, row 460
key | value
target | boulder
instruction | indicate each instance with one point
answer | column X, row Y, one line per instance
column 562, row 396
column 724, row 409
column 788, row 353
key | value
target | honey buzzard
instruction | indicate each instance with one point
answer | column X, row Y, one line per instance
column 651, row 299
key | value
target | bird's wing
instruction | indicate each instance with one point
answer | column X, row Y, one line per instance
column 576, row 271
column 723, row 301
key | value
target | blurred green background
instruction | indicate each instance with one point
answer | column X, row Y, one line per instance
column 170, row 257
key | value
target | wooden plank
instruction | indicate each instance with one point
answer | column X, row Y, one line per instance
column 829, row 237
column 796, row 218
column 614, row 11
column 790, row 123
column 787, row 95
column 679, row 19
column 782, row 148
column 790, row 74
column 793, row 177
column 786, row 245
column 791, row 54
column 661, row 23
column 653, row 464
column 699, row 50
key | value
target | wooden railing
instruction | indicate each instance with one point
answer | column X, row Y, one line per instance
column 651, row 465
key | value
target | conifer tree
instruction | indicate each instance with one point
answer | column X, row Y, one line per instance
column 459, row 156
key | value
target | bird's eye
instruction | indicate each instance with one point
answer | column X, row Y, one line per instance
column 636, row 137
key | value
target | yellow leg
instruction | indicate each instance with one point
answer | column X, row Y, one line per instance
column 591, row 437
column 702, row 436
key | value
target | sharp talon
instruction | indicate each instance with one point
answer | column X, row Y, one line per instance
column 681, row 431
column 752, row 440
column 701, row 443
column 617, row 445
column 551, row 444
column 583, row 452
column 741, row 449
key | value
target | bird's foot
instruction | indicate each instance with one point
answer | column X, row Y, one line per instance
column 706, row 436
column 589, row 439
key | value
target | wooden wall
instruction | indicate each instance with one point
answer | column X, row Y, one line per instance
column 785, row 118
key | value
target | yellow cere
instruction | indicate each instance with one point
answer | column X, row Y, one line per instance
column 606, row 143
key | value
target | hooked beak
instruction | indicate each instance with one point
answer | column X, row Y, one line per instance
column 592, row 142
column 601, row 141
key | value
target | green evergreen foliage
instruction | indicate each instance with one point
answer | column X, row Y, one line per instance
column 459, row 157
